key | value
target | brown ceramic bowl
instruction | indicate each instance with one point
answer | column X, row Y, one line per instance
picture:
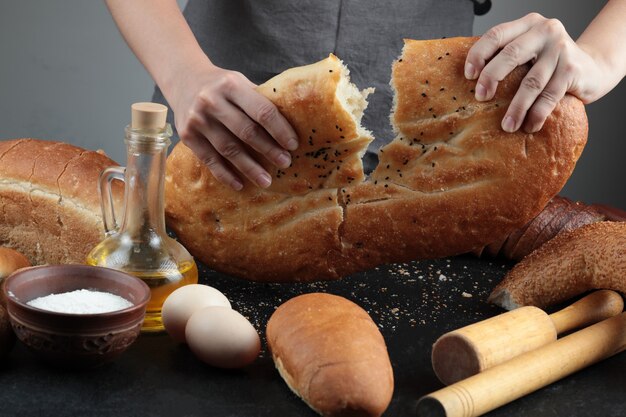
column 74, row 340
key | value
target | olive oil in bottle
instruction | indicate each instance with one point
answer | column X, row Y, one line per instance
column 139, row 244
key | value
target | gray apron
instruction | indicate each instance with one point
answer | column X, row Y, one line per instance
column 263, row 38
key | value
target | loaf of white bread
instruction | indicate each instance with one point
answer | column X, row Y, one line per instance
column 332, row 355
column 49, row 200
column 450, row 182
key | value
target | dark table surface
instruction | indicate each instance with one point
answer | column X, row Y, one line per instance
column 412, row 303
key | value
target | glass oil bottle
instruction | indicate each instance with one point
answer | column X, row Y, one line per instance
column 139, row 244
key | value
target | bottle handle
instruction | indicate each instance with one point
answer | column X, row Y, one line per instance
column 108, row 175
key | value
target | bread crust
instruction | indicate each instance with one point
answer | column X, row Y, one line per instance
column 590, row 257
column 331, row 354
column 49, row 200
column 450, row 182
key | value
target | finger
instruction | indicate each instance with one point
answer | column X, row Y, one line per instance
column 253, row 134
column 231, row 149
column 547, row 100
column 531, row 86
column 264, row 112
column 517, row 52
column 207, row 154
column 493, row 40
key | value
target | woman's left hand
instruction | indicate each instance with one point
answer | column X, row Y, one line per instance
column 559, row 66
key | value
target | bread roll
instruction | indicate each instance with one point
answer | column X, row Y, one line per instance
column 49, row 200
column 451, row 181
column 10, row 261
column 588, row 258
column 332, row 355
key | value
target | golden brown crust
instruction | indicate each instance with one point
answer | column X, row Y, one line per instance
column 331, row 353
column 49, row 201
column 10, row 261
column 574, row 262
column 450, row 182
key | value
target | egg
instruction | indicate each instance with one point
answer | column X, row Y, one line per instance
column 182, row 303
column 222, row 337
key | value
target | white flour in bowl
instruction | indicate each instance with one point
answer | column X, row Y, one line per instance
column 81, row 302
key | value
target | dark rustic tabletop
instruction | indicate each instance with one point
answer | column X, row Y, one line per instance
column 412, row 303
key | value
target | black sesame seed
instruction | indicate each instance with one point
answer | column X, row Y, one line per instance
column 434, row 116
column 386, row 185
column 295, row 174
column 433, row 164
column 330, row 199
column 439, row 58
column 342, row 137
column 426, row 81
column 430, row 109
column 400, row 60
column 497, row 105
column 375, row 182
column 313, row 130
column 451, row 133
column 472, row 91
column 386, row 178
column 336, row 127
column 423, row 94
column 447, row 53
column 421, row 133
column 330, row 70
column 387, row 166
column 441, row 89
column 274, row 89
column 435, row 148
column 453, row 98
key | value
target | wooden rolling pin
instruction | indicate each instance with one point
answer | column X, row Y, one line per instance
column 472, row 349
column 528, row 372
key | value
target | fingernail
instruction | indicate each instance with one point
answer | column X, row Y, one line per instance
column 264, row 180
column 292, row 145
column 470, row 71
column 481, row 92
column 284, row 160
column 237, row 186
column 508, row 124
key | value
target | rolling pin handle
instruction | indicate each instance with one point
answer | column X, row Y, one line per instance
column 593, row 308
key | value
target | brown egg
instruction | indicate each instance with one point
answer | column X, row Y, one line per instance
column 222, row 337
column 185, row 301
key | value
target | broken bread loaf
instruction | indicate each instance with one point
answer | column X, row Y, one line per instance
column 332, row 355
column 49, row 200
column 451, row 181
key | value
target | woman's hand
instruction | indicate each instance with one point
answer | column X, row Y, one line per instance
column 559, row 66
column 220, row 117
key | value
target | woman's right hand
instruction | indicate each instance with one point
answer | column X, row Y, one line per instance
column 220, row 116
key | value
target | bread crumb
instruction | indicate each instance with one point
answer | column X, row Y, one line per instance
column 442, row 277
column 466, row 294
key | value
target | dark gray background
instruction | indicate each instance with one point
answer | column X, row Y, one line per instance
column 66, row 74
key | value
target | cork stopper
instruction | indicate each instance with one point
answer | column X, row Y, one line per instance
column 149, row 116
